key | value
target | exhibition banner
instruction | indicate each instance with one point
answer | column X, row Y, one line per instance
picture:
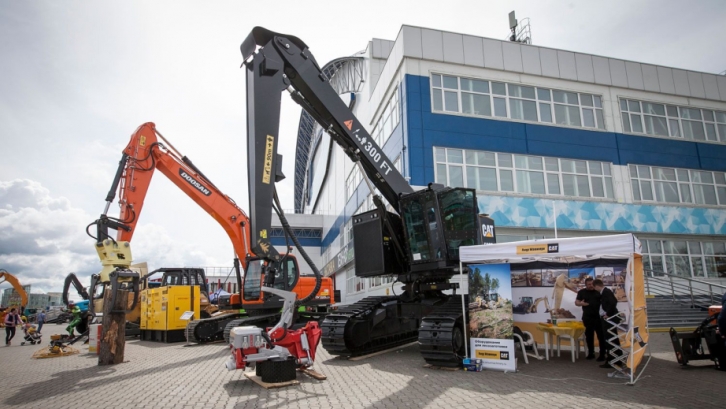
column 490, row 316
column 542, row 292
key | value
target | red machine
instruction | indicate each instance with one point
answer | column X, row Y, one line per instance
column 278, row 352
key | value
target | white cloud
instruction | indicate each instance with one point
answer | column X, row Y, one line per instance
column 43, row 238
column 79, row 77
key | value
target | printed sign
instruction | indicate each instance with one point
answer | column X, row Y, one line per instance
column 494, row 353
column 543, row 248
column 187, row 315
column 267, row 167
column 490, row 316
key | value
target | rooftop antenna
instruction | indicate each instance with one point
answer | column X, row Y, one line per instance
column 520, row 33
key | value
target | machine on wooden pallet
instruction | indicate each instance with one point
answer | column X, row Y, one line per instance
column 276, row 353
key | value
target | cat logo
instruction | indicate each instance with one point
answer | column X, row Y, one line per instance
column 487, row 230
column 349, row 124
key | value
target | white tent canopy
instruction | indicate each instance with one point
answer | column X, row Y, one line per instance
column 617, row 246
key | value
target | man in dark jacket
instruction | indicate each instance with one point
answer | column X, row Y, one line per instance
column 589, row 299
column 608, row 310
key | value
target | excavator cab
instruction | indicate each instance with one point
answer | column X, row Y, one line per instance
column 437, row 222
column 282, row 275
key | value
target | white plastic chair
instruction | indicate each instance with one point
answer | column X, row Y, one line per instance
column 525, row 340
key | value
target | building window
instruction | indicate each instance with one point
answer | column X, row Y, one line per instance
column 354, row 178
column 685, row 258
column 539, row 175
column 673, row 121
column 390, row 117
column 354, row 284
column 670, row 185
column 347, row 232
column 515, row 101
column 374, row 282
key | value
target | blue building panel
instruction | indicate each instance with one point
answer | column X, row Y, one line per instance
column 458, row 131
column 304, row 241
column 658, row 152
column 712, row 156
column 530, row 212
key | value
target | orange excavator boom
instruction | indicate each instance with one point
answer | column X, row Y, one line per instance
column 148, row 151
column 5, row 276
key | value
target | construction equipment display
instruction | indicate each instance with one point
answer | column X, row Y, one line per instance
column 278, row 352
column 419, row 244
column 148, row 151
column 181, row 290
column 6, row 277
column 93, row 295
column 689, row 346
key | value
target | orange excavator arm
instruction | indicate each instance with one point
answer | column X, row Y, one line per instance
column 147, row 152
column 9, row 278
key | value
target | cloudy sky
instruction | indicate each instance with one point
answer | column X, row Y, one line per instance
column 78, row 77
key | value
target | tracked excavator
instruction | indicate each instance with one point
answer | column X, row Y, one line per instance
column 148, row 151
column 419, row 242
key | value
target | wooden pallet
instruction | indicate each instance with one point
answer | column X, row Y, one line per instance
column 313, row 374
column 441, row 368
column 362, row 357
column 256, row 379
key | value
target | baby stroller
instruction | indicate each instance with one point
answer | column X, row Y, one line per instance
column 31, row 335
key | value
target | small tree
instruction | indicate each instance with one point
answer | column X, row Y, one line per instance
column 487, row 284
column 495, row 285
column 476, row 283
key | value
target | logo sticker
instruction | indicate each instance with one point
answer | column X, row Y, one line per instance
column 349, row 124
column 267, row 170
column 539, row 248
column 194, row 182
column 142, row 140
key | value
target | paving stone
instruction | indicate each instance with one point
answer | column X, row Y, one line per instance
column 177, row 377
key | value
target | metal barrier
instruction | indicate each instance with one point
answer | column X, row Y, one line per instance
column 684, row 290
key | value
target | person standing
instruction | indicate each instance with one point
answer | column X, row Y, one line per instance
column 608, row 310
column 41, row 320
column 589, row 299
column 75, row 320
column 12, row 319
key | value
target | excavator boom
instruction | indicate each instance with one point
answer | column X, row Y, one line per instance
column 148, row 151
column 9, row 278
column 418, row 242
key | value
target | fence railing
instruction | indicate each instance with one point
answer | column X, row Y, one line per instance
column 684, row 290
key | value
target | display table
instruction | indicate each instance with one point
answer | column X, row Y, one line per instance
column 568, row 330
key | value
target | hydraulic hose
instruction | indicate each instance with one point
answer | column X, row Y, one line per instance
column 318, row 277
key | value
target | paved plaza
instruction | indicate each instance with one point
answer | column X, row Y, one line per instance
column 174, row 376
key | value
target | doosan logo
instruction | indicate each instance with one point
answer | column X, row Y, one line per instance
column 194, row 183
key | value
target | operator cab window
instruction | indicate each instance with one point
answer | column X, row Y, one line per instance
column 291, row 273
column 253, row 283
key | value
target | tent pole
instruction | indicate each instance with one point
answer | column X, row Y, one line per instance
column 631, row 296
column 463, row 307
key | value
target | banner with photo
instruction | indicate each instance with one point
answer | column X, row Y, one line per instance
column 542, row 291
column 490, row 316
